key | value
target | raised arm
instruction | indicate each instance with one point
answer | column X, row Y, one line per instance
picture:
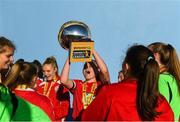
column 104, row 73
column 65, row 75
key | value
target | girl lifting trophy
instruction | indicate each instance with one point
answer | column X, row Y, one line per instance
column 75, row 37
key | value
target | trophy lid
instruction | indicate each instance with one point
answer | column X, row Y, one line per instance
column 73, row 30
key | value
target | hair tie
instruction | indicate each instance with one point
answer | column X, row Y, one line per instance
column 149, row 58
column 170, row 46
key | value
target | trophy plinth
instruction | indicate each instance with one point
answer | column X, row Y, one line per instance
column 81, row 51
column 75, row 36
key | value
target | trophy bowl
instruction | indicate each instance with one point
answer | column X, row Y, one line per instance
column 73, row 31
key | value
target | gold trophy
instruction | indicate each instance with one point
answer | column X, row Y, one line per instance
column 75, row 36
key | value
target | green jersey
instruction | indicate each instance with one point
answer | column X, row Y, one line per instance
column 18, row 109
column 169, row 89
column 6, row 107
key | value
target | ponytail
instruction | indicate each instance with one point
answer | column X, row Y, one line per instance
column 169, row 58
column 147, row 91
column 144, row 68
column 13, row 74
column 174, row 65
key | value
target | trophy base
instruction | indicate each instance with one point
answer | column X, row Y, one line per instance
column 81, row 51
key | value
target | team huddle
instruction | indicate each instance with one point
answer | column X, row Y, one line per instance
column 148, row 87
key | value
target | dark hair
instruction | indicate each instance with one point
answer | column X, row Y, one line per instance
column 6, row 42
column 20, row 73
column 27, row 71
column 169, row 58
column 95, row 68
column 144, row 67
column 39, row 67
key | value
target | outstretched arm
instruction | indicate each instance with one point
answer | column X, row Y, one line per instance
column 65, row 75
column 104, row 73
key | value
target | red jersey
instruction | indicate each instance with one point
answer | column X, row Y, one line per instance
column 118, row 102
column 37, row 99
column 78, row 105
column 58, row 95
column 38, row 81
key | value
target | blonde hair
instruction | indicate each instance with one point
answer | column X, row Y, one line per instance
column 51, row 60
